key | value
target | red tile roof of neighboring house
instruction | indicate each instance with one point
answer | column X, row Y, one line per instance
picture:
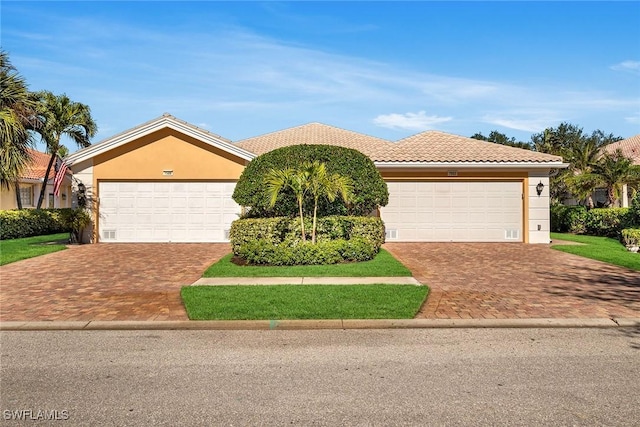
column 630, row 147
column 36, row 169
column 38, row 166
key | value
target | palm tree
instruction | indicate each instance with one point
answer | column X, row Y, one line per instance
column 321, row 183
column 612, row 171
column 277, row 180
column 17, row 117
column 583, row 156
column 62, row 116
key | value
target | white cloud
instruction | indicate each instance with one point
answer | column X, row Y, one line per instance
column 409, row 121
column 630, row 66
column 634, row 119
column 527, row 123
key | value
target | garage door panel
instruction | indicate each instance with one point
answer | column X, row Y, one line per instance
column 166, row 211
column 454, row 211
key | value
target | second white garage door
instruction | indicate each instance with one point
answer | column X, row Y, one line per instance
column 166, row 211
column 454, row 211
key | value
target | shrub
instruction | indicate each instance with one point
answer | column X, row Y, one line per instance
column 631, row 237
column 634, row 210
column 370, row 190
column 75, row 220
column 568, row 219
column 606, row 222
column 265, row 252
column 287, row 230
column 15, row 224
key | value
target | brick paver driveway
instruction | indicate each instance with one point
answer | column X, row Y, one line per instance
column 105, row 282
column 493, row 280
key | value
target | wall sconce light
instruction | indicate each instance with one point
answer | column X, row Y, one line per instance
column 81, row 188
column 539, row 188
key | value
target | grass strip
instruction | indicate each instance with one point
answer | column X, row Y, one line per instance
column 13, row 250
column 602, row 249
column 277, row 302
column 383, row 265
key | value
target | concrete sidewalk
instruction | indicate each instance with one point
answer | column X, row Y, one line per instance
column 95, row 325
column 221, row 281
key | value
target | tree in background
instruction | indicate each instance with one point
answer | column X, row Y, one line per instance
column 502, row 139
column 582, row 151
column 612, row 171
column 17, row 119
column 62, row 116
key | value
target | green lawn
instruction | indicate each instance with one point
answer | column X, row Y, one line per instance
column 384, row 264
column 599, row 248
column 18, row 249
column 275, row 302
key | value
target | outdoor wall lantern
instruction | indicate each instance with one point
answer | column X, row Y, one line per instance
column 81, row 188
column 539, row 188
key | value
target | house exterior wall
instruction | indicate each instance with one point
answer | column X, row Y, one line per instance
column 535, row 221
column 538, row 221
column 147, row 159
column 63, row 200
column 167, row 150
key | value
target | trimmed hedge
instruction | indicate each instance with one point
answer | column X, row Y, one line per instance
column 264, row 252
column 369, row 189
column 605, row 222
column 277, row 241
column 15, row 224
column 568, row 219
column 287, row 230
column 634, row 209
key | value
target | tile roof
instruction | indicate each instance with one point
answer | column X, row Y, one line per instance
column 316, row 133
column 630, row 147
column 38, row 166
column 440, row 147
column 425, row 147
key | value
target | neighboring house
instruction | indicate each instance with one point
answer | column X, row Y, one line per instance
column 169, row 181
column 31, row 183
column 630, row 148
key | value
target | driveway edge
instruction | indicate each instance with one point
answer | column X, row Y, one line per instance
column 125, row 325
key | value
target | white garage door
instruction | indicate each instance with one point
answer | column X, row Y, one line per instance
column 166, row 211
column 454, row 211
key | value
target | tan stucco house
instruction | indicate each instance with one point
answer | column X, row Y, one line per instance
column 30, row 185
column 169, row 181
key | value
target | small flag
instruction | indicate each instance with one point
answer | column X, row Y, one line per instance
column 57, row 181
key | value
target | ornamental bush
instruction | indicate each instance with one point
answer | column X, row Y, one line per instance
column 369, row 189
column 634, row 209
column 277, row 241
column 19, row 223
column 568, row 219
column 631, row 237
column 288, row 231
column 264, row 252
column 606, row 222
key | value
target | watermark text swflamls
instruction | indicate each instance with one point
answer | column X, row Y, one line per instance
column 35, row 415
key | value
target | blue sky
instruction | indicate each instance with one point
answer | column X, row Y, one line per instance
column 389, row 69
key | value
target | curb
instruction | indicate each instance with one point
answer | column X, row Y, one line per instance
column 133, row 325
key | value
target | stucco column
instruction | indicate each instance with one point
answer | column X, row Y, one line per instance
column 625, row 196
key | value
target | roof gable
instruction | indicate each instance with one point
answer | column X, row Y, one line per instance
column 440, row 147
column 163, row 122
column 630, row 147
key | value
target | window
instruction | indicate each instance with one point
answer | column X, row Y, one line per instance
column 52, row 200
column 26, row 196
